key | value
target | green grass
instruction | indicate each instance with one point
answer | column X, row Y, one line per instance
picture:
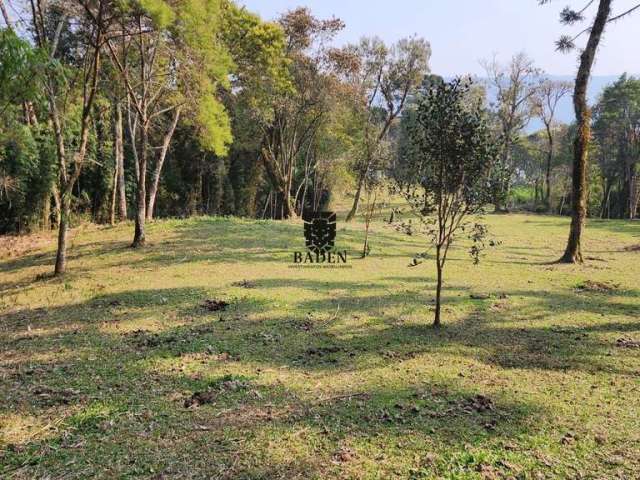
column 319, row 373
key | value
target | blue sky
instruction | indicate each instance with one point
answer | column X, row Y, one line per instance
column 462, row 32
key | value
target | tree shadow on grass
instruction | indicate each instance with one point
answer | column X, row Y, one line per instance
column 241, row 431
column 120, row 370
column 328, row 338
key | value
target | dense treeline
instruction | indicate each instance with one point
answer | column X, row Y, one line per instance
column 613, row 174
column 139, row 109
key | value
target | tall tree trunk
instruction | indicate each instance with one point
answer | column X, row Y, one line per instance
column 547, row 196
column 112, row 208
column 141, row 197
column 436, row 321
column 57, row 210
column 5, row 15
column 631, row 187
column 155, row 182
column 356, row 199
column 46, row 211
column 501, row 195
column 606, row 193
column 573, row 252
column 63, row 227
column 635, row 195
column 119, row 151
column 288, row 209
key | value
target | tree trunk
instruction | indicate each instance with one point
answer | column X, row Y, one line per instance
column 632, row 191
column 288, row 209
column 436, row 320
column 5, row 15
column 112, row 209
column 635, row 196
column 122, row 193
column 356, row 199
column 46, row 211
column 501, row 195
column 141, row 197
column 573, row 252
column 605, row 198
column 63, row 227
column 547, row 196
column 57, row 211
column 155, row 182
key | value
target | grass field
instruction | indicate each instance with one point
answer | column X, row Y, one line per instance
column 119, row 371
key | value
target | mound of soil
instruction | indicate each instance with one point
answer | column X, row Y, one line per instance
column 215, row 305
column 596, row 287
column 627, row 343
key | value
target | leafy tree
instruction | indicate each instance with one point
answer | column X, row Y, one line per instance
column 27, row 168
column 70, row 85
column 156, row 38
column 515, row 85
column 230, row 183
column 382, row 83
column 545, row 101
column 616, row 129
column 296, row 115
column 453, row 152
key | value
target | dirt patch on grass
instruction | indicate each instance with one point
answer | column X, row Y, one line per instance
column 223, row 385
column 627, row 343
column 591, row 286
column 244, row 284
column 145, row 339
column 215, row 305
column 48, row 396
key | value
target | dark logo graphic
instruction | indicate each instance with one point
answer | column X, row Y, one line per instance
column 320, row 237
column 320, row 232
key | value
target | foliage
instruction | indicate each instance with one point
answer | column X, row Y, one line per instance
column 516, row 85
column 453, row 154
column 616, row 129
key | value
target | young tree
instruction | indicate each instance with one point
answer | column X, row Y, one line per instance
column 453, row 152
column 71, row 88
column 569, row 16
column 545, row 101
column 515, row 85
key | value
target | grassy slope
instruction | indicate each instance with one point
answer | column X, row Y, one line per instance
column 319, row 373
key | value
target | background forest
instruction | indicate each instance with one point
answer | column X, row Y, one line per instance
column 225, row 114
column 169, row 308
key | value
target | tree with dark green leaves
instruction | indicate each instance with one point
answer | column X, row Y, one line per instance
column 453, row 152
column 616, row 129
column 27, row 165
